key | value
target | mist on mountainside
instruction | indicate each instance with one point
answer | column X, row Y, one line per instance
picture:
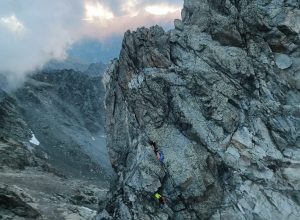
column 32, row 33
column 53, row 146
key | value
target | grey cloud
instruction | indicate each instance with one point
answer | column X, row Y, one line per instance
column 52, row 26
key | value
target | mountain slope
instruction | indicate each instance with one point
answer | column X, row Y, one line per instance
column 219, row 94
column 54, row 163
column 64, row 111
column 93, row 69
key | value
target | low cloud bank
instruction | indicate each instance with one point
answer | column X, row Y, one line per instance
column 33, row 32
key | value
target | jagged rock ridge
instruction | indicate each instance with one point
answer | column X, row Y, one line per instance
column 220, row 96
column 89, row 68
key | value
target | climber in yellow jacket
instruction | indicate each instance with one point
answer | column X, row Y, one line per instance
column 159, row 197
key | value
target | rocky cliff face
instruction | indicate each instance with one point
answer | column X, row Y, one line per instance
column 220, row 95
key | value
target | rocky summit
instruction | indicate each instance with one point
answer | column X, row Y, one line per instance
column 220, row 96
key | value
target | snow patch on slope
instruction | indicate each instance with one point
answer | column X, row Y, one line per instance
column 34, row 140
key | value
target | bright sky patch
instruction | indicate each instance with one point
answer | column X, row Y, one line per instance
column 95, row 11
column 161, row 9
column 12, row 24
column 130, row 8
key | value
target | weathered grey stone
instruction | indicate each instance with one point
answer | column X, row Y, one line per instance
column 178, row 24
column 228, row 36
column 293, row 176
column 123, row 212
column 291, row 23
column 16, row 203
column 283, row 61
column 242, row 138
column 292, row 153
column 223, row 113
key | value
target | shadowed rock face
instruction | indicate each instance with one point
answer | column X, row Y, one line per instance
column 220, row 96
column 65, row 172
column 64, row 110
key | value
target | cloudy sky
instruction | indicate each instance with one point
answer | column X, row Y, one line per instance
column 34, row 31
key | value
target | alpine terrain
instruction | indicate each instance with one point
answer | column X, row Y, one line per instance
column 220, row 97
column 53, row 163
column 199, row 122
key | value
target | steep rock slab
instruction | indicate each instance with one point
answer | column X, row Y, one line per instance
column 213, row 96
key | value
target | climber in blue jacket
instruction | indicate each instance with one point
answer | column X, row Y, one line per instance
column 159, row 154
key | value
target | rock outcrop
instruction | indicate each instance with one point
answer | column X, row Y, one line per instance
column 220, row 95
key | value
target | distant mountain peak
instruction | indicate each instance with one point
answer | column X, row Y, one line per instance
column 93, row 69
